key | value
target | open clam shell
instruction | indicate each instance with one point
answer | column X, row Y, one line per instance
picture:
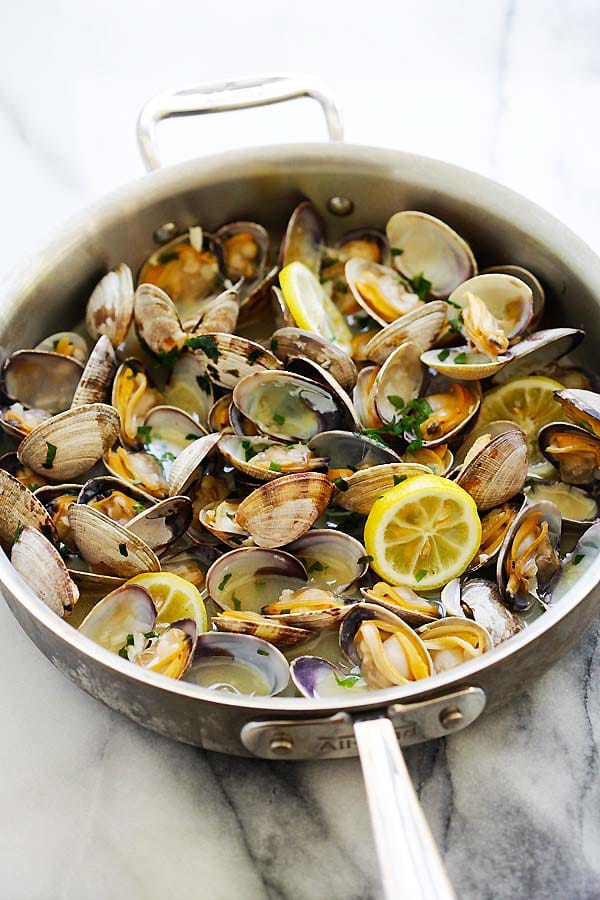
column 138, row 469
column 497, row 472
column 70, row 443
column 218, row 314
column 10, row 462
column 425, row 245
column 379, row 290
column 304, row 238
column 291, row 342
column 67, row 343
column 507, row 298
column 41, row 380
column 19, row 507
column 464, row 364
column 332, row 559
column 281, row 511
column 17, row 420
column 453, row 407
column 577, row 507
column 493, row 429
column 40, row 564
column 532, row 282
column 238, row 664
column 422, row 325
column 171, row 653
column 574, row 451
column 399, row 380
column 95, row 383
column 582, row 408
column 308, row 607
column 133, row 396
column 245, row 250
column 538, row 350
column 360, row 490
column 265, row 460
column 188, row 465
column 229, row 358
column 404, row 602
column 190, row 563
column 109, row 310
column 268, row 629
column 483, row 601
column 495, row 524
column 157, row 321
column 110, row 548
column 290, row 407
column 528, row 559
column 163, row 524
column 167, row 431
column 363, row 397
column 387, row 650
column 218, row 518
column 453, row 641
column 250, row 577
column 189, row 388
column 349, row 451
column 57, row 498
column 315, row 677
column 114, row 497
column 128, row 610
column 218, row 415
column 584, row 557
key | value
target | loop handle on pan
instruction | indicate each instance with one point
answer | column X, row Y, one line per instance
column 411, row 866
column 224, row 96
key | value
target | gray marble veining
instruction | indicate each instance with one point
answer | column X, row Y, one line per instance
column 94, row 806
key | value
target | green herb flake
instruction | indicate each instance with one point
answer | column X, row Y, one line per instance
column 18, row 532
column 455, row 325
column 191, row 437
column 315, row 566
column 169, row 256
column 224, row 582
column 129, row 642
column 123, row 550
column 33, row 487
column 138, row 508
column 578, row 559
column 396, row 401
column 144, row 433
column 50, row 454
column 421, row 286
column 249, row 450
column 254, row 355
column 420, row 575
column 460, row 359
column 347, row 682
column 284, row 612
column 274, row 466
column 262, row 652
column 341, row 484
column 278, row 419
column 55, row 343
column 365, row 560
column 167, row 457
column 396, row 251
column 237, row 604
column 235, row 373
column 443, row 354
column 207, row 343
column 203, row 382
column 123, row 653
column 150, row 634
column 398, row 479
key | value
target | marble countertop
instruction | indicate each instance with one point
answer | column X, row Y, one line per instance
column 94, row 806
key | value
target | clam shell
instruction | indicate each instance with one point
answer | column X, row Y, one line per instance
column 549, row 513
column 578, row 507
column 231, row 446
column 19, row 507
column 539, row 350
column 332, row 558
column 80, row 437
column 348, row 450
column 311, row 675
column 249, row 649
column 95, row 383
column 171, row 654
column 304, row 237
column 582, row 408
column 109, row 310
column 484, row 602
column 239, row 569
column 268, row 629
column 396, row 298
column 422, row 325
column 40, row 564
column 232, row 358
column 289, row 342
column 432, row 248
column 444, row 628
column 500, row 426
column 498, row 472
column 532, row 282
column 186, row 467
column 400, row 377
column 363, row 397
column 584, row 469
column 360, row 491
column 75, row 341
column 218, row 416
column 127, row 610
column 41, row 380
column 234, row 270
column 471, row 365
column 508, row 299
column 107, row 546
column 190, row 388
column 219, row 314
column 281, row 511
column 163, row 524
column 157, row 321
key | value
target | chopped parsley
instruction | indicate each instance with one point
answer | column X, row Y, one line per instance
column 144, row 433
column 207, row 343
column 249, row 450
column 397, row 251
column 169, row 256
column 347, row 682
column 443, row 354
column 284, row 612
column 123, row 550
column 329, row 261
column 150, row 634
column 315, row 566
column 457, row 323
column 138, row 508
column 460, row 359
column 254, row 355
column 578, row 559
column 278, row 419
column 224, row 582
column 406, row 424
column 421, row 286
column 191, row 437
column 274, row 466
column 203, row 382
column 396, row 401
column 341, row 484
column 18, row 532
column 398, row 479
column 167, row 457
column 365, row 560
column 420, row 575
column 50, row 454
column 262, row 652
column 237, row 604
column 123, row 652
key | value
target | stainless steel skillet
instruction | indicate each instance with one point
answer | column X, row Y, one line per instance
column 356, row 186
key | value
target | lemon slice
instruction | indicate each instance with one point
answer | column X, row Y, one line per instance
column 311, row 307
column 174, row 597
column 527, row 401
column 423, row 532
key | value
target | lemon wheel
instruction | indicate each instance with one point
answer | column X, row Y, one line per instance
column 423, row 532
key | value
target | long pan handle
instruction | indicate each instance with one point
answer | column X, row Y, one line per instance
column 224, row 96
column 411, row 865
